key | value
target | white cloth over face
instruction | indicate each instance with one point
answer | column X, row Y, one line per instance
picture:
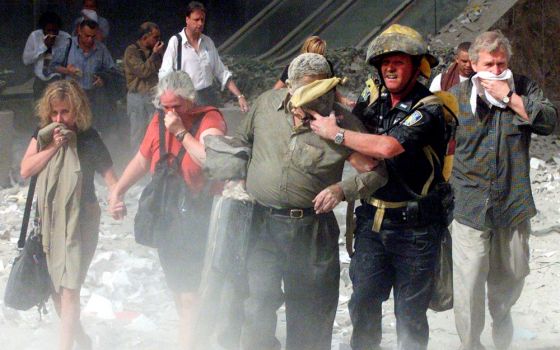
column 478, row 90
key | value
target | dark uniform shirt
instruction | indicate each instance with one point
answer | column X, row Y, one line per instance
column 414, row 130
column 491, row 166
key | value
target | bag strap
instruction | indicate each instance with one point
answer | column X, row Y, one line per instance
column 192, row 131
column 163, row 151
column 27, row 212
column 179, row 51
column 65, row 61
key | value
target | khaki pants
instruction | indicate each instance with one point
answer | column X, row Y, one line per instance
column 499, row 258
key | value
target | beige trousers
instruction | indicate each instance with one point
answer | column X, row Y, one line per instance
column 498, row 258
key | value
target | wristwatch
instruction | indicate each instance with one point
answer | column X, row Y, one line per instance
column 507, row 97
column 181, row 135
column 339, row 137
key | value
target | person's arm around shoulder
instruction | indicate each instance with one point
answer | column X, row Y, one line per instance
column 376, row 146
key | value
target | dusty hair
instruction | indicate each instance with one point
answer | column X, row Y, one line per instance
column 65, row 90
column 491, row 42
column 179, row 83
column 307, row 64
column 314, row 44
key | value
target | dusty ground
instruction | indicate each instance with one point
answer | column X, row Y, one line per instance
column 126, row 304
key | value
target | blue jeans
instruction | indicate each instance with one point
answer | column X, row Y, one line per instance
column 403, row 258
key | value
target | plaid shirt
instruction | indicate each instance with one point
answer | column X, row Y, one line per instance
column 491, row 166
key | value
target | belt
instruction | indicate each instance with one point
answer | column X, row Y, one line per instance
column 381, row 205
column 293, row 213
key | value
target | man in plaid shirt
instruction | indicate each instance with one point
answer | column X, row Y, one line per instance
column 498, row 113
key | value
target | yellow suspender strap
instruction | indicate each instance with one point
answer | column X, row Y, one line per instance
column 380, row 212
column 431, row 155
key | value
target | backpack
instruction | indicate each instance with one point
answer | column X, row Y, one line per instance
column 165, row 200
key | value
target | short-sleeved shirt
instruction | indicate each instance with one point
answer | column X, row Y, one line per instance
column 192, row 172
column 94, row 157
column 414, row 130
column 284, row 75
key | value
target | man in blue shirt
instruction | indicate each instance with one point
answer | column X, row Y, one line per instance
column 84, row 62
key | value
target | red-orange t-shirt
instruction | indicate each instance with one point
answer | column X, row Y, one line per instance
column 192, row 172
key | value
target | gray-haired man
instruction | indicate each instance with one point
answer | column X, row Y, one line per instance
column 498, row 112
column 294, row 175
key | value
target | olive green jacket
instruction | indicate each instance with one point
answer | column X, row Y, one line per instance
column 59, row 191
column 290, row 165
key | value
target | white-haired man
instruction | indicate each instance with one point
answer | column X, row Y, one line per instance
column 498, row 112
column 297, row 233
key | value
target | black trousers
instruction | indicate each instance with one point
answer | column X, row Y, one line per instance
column 401, row 258
column 303, row 254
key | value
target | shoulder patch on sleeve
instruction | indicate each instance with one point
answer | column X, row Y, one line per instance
column 413, row 119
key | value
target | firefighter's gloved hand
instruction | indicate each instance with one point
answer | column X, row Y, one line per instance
column 328, row 198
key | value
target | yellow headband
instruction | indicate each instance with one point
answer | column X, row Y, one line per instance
column 312, row 91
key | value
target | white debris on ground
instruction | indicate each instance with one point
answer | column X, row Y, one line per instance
column 126, row 305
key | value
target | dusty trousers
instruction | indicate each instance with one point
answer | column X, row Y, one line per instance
column 496, row 259
column 140, row 110
column 302, row 253
column 398, row 258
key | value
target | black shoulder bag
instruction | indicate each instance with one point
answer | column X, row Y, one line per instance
column 29, row 283
column 165, row 199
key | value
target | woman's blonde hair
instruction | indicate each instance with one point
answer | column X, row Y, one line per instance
column 314, row 44
column 65, row 90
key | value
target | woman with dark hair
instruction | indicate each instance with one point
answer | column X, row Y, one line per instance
column 64, row 153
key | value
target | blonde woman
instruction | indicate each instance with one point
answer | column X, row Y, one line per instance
column 67, row 149
column 314, row 44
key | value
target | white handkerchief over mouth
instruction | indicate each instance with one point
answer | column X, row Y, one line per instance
column 478, row 90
